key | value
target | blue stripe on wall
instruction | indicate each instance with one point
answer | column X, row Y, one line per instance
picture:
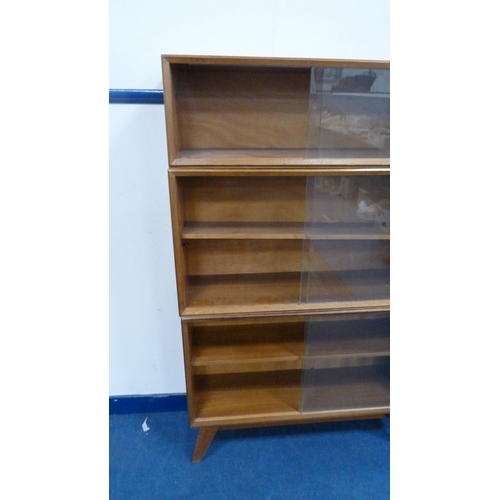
column 147, row 404
column 135, row 96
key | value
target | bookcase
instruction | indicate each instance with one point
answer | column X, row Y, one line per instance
column 280, row 201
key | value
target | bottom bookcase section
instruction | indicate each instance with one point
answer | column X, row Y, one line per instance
column 259, row 394
column 287, row 368
column 363, row 386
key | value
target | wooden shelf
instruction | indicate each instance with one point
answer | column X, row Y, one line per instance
column 285, row 289
column 269, row 310
column 280, row 394
column 243, row 230
column 223, row 407
column 280, row 230
column 227, row 397
column 341, row 346
column 279, row 193
column 230, row 153
column 317, row 362
column 247, row 348
column 250, row 289
column 291, row 157
column 360, row 345
column 302, row 154
column 344, row 231
column 256, row 358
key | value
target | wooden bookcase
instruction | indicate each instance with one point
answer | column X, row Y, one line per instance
column 279, row 192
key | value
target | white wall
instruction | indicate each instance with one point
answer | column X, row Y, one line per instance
column 145, row 341
column 145, row 347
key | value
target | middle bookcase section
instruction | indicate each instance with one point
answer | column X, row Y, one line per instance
column 280, row 242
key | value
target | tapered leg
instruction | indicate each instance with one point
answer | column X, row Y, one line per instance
column 205, row 437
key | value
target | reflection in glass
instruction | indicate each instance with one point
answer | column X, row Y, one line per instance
column 346, row 363
column 349, row 113
column 346, row 252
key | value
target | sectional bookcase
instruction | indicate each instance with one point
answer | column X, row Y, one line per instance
column 280, row 200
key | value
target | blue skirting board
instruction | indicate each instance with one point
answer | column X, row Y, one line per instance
column 135, row 96
column 119, row 405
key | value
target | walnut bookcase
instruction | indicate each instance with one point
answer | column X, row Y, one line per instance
column 279, row 193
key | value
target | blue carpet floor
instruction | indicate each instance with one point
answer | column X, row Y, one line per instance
column 342, row 460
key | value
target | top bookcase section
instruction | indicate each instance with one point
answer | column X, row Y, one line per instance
column 224, row 111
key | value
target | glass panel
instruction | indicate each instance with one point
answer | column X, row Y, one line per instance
column 349, row 113
column 346, row 248
column 346, row 363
